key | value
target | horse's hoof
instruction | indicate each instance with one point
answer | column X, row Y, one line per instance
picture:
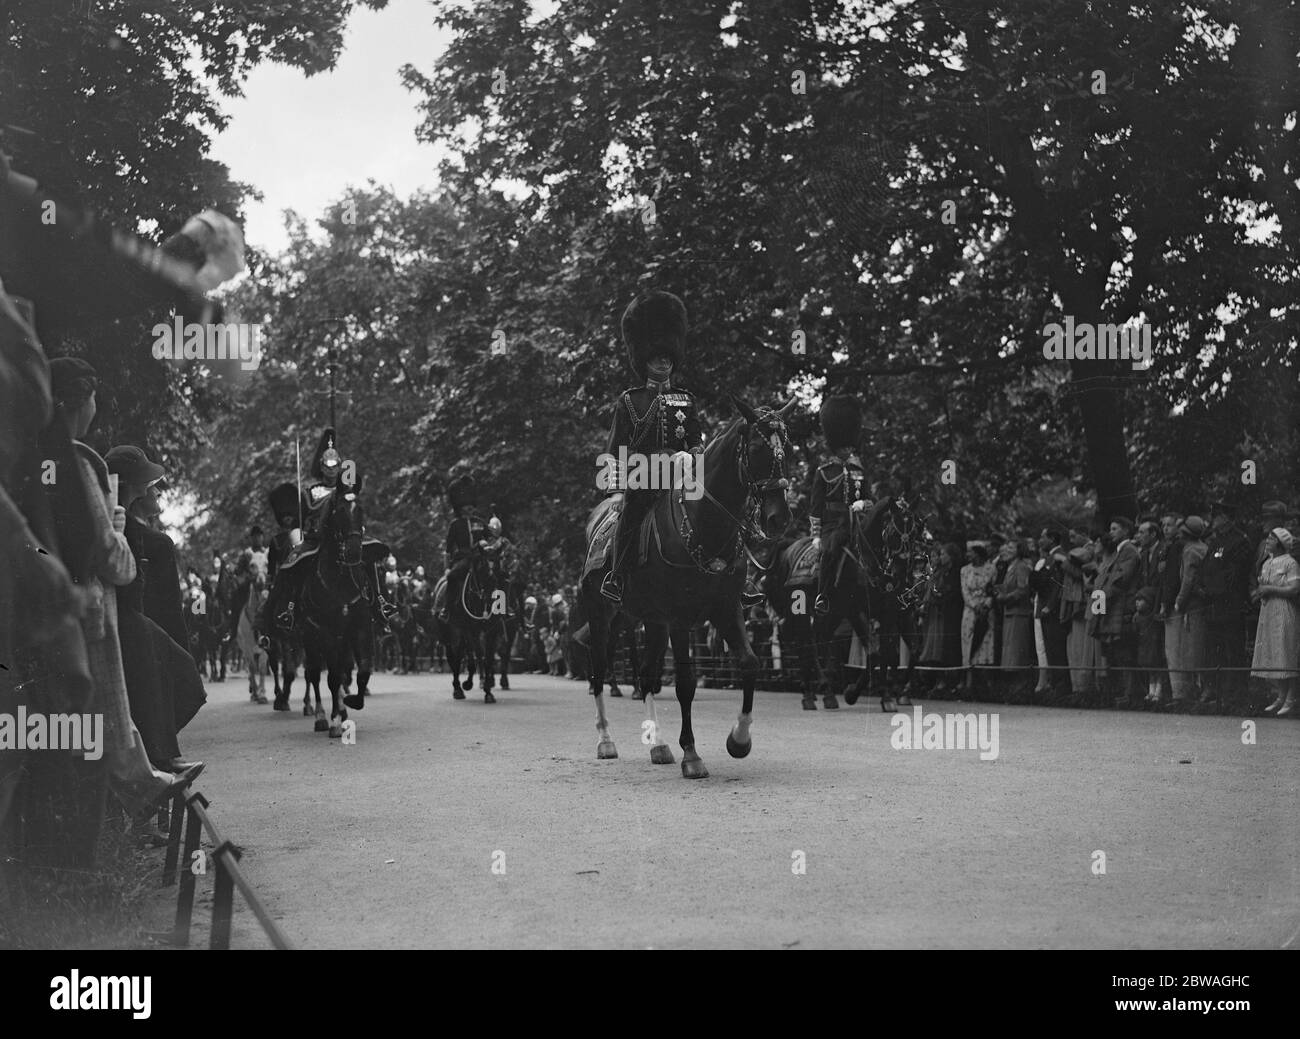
column 306, row 711
column 830, row 703
column 468, row 684
column 505, row 682
column 904, row 701
column 638, row 696
column 809, row 703
column 888, row 705
column 606, row 749
column 736, row 750
column 458, row 694
column 322, row 725
column 489, row 698
column 693, row 768
column 662, row 755
column 851, row 697
column 336, row 731
column 614, row 691
column 356, row 702
column 280, row 705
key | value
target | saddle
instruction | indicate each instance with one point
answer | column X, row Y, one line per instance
column 600, row 548
column 372, row 551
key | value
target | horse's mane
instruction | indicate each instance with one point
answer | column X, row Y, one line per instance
column 723, row 441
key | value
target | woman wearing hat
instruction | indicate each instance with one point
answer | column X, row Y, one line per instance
column 111, row 564
column 1277, row 639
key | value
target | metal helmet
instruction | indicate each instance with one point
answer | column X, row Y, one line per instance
column 419, row 571
column 390, row 563
column 494, row 525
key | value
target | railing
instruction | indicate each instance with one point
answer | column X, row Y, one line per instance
column 225, row 856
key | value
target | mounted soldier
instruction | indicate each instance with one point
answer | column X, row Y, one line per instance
column 326, row 468
column 467, row 531
column 837, row 491
column 652, row 420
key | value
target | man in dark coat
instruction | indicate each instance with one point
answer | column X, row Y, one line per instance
column 1225, row 576
column 162, row 682
column 837, row 491
column 653, row 419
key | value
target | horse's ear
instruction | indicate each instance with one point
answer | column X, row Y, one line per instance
column 749, row 413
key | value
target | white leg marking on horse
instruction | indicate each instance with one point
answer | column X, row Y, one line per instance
column 740, row 731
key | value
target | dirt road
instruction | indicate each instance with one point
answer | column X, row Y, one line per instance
column 460, row 824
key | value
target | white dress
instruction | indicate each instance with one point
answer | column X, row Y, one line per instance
column 1277, row 639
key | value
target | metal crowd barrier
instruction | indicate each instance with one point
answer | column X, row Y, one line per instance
column 225, row 857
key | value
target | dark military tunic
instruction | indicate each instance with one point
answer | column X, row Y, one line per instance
column 650, row 420
column 837, row 484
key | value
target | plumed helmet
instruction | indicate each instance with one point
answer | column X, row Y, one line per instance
column 285, row 501
column 842, row 422
column 494, row 525
column 462, row 492
column 654, row 322
column 327, row 462
column 390, row 563
column 419, row 571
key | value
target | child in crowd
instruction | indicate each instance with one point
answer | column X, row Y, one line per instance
column 1150, row 634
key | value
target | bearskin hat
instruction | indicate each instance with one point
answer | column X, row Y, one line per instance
column 462, row 492
column 327, row 443
column 654, row 322
column 842, row 422
column 286, row 501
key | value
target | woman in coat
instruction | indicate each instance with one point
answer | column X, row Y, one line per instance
column 1277, row 638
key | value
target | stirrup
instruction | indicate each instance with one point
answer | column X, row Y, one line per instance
column 285, row 619
column 612, row 587
column 750, row 598
column 821, row 604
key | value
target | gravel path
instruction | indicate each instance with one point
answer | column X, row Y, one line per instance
column 391, row 843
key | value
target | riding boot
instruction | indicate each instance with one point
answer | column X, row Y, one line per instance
column 612, row 587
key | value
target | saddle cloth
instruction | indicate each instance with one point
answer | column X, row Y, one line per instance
column 372, row 551
column 803, row 564
column 601, row 548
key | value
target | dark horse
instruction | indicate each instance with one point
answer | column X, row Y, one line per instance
column 694, row 570
column 790, row 584
column 337, row 624
column 880, row 573
column 474, row 607
column 620, row 630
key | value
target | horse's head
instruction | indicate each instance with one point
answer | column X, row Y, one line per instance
column 897, row 550
column 346, row 525
column 764, row 456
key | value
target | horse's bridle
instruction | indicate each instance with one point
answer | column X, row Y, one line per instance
column 908, row 542
column 751, row 525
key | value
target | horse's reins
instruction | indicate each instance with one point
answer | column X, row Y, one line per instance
column 754, row 490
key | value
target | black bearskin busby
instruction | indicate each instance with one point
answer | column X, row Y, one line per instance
column 286, row 501
column 654, row 322
column 842, row 422
column 462, row 492
column 327, row 462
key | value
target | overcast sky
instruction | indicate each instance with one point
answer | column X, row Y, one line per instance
column 301, row 141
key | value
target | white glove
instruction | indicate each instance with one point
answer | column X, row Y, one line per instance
column 817, row 544
column 295, row 536
column 119, row 519
column 858, row 505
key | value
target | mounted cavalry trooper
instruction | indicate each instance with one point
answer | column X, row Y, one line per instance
column 837, row 490
column 651, row 421
column 466, row 532
column 291, row 576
